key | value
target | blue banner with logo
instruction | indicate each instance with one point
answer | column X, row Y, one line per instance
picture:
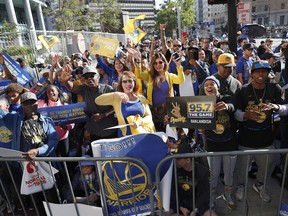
column 4, row 84
column 66, row 114
column 22, row 77
column 40, row 93
column 122, row 180
column 283, row 209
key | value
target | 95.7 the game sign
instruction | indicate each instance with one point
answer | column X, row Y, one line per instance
column 192, row 112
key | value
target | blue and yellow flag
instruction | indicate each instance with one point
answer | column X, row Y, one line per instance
column 48, row 40
column 133, row 28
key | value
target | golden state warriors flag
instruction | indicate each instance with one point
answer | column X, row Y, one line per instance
column 48, row 40
column 104, row 46
column 134, row 28
column 126, row 184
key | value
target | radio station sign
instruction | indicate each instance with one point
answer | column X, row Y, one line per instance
column 191, row 112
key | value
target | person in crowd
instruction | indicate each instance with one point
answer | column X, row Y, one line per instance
column 130, row 107
column 201, row 58
column 159, row 86
column 100, row 117
column 32, row 73
column 205, row 45
column 228, row 84
column 216, row 52
column 87, row 56
column 168, row 53
column 269, row 43
column 254, row 112
column 241, row 42
column 244, row 64
column 224, row 45
column 13, row 92
column 114, row 75
column 221, row 139
column 54, row 97
column 275, row 73
column 194, row 69
column 90, row 183
column 186, row 183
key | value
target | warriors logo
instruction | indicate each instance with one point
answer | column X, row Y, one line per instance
column 5, row 135
column 123, row 180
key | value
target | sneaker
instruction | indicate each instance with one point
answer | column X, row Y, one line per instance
column 230, row 202
column 239, row 192
column 10, row 210
column 263, row 193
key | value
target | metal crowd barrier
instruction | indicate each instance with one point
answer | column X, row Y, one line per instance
column 6, row 162
column 252, row 204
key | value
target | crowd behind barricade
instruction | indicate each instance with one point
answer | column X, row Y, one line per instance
column 132, row 88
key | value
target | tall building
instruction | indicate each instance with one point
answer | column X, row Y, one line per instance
column 138, row 7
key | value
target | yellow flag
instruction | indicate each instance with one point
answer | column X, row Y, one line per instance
column 48, row 40
column 104, row 46
column 133, row 28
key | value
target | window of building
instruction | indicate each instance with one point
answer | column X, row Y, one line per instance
column 260, row 20
column 253, row 9
column 266, row 7
column 282, row 18
column 283, row 6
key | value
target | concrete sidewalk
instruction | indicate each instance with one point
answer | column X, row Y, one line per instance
column 254, row 204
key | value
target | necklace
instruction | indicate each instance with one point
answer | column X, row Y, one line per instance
column 259, row 101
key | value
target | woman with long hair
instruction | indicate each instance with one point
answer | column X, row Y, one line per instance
column 160, row 85
column 114, row 74
column 54, row 97
column 130, row 107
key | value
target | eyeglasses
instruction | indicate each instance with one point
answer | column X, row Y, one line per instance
column 177, row 45
column 89, row 76
column 128, row 81
column 159, row 62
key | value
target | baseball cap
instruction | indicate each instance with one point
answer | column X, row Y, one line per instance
column 78, row 55
column 248, row 46
column 245, row 29
column 260, row 65
column 226, row 60
column 213, row 78
column 89, row 70
column 86, row 163
column 268, row 55
column 28, row 96
column 183, row 147
column 39, row 61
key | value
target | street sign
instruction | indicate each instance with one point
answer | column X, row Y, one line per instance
column 244, row 12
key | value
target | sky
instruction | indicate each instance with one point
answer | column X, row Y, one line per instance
column 158, row 2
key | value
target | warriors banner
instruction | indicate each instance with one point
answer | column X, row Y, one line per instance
column 126, row 186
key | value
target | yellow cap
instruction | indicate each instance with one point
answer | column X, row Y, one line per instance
column 226, row 60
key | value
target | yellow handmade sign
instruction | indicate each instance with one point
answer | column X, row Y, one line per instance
column 104, row 46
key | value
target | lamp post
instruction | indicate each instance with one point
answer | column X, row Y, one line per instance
column 179, row 21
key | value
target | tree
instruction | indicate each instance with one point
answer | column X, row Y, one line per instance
column 168, row 13
column 75, row 15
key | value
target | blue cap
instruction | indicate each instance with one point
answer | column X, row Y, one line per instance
column 87, row 163
column 260, row 65
column 245, row 29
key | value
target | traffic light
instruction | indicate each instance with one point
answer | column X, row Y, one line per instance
column 211, row 2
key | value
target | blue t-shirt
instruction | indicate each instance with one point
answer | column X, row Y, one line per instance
column 160, row 93
column 243, row 66
column 128, row 109
column 213, row 69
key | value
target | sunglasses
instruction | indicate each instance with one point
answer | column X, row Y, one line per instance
column 159, row 62
column 89, row 76
column 127, row 81
column 176, row 45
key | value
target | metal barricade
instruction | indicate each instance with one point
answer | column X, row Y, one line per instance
column 10, row 167
column 252, row 204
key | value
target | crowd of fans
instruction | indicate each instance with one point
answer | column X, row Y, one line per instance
column 132, row 88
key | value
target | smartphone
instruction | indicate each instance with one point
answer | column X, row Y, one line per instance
column 176, row 56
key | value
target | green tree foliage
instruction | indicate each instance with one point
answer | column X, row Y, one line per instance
column 168, row 14
column 75, row 15
column 7, row 26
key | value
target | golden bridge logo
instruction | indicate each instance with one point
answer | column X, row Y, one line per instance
column 176, row 112
column 124, row 180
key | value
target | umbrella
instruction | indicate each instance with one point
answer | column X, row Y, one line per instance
column 255, row 30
